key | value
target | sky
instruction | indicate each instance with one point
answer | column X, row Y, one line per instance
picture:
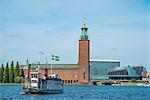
column 117, row 29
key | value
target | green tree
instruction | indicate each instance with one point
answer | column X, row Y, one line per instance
column 17, row 70
column 1, row 73
column 11, row 73
column 21, row 73
column 6, row 74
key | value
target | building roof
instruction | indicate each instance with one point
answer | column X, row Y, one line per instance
column 54, row 66
column 104, row 60
column 117, row 69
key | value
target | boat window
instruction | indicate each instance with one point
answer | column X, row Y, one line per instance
column 34, row 75
column 31, row 75
column 34, row 81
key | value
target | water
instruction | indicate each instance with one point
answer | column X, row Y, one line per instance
column 81, row 93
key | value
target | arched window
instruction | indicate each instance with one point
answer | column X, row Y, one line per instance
column 68, row 81
column 65, row 81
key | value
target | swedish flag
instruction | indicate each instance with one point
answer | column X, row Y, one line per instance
column 55, row 58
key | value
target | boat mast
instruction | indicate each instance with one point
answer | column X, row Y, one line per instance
column 46, row 63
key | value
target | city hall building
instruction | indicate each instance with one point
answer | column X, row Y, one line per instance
column 70, row 73
column 87, row 70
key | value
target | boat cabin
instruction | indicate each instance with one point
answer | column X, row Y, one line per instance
column 34, row 79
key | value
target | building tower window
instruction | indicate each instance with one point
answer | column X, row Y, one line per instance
column 84, row 75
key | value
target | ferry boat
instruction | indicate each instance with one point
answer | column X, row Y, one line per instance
column 34, row 84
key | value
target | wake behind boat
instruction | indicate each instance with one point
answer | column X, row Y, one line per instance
column 34, row 84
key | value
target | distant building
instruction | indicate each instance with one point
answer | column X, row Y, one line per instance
column 148, row 75
column 126, row 73
column 99, row 68
column 111, row 70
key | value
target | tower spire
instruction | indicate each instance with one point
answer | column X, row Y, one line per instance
column 84, row 19
column 84, row 29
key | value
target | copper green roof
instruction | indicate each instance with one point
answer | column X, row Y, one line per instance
column 25, row 66
column 54, row 66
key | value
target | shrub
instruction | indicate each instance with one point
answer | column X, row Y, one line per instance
column 133, row 80
column 18, row 79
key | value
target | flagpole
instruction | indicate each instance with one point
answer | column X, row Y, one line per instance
column 51, row 66
column 40, row 54
column 39, row 62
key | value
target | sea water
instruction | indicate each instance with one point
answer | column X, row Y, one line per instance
column 81, row 92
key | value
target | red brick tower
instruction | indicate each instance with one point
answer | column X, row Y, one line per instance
column 84, row 54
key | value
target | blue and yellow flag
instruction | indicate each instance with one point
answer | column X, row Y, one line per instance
column 55, row 58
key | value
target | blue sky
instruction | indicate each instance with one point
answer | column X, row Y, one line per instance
column 118, row 29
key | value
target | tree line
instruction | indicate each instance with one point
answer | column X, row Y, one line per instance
column 11, row 74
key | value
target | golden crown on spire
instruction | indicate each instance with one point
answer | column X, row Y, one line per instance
column 84, row 25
